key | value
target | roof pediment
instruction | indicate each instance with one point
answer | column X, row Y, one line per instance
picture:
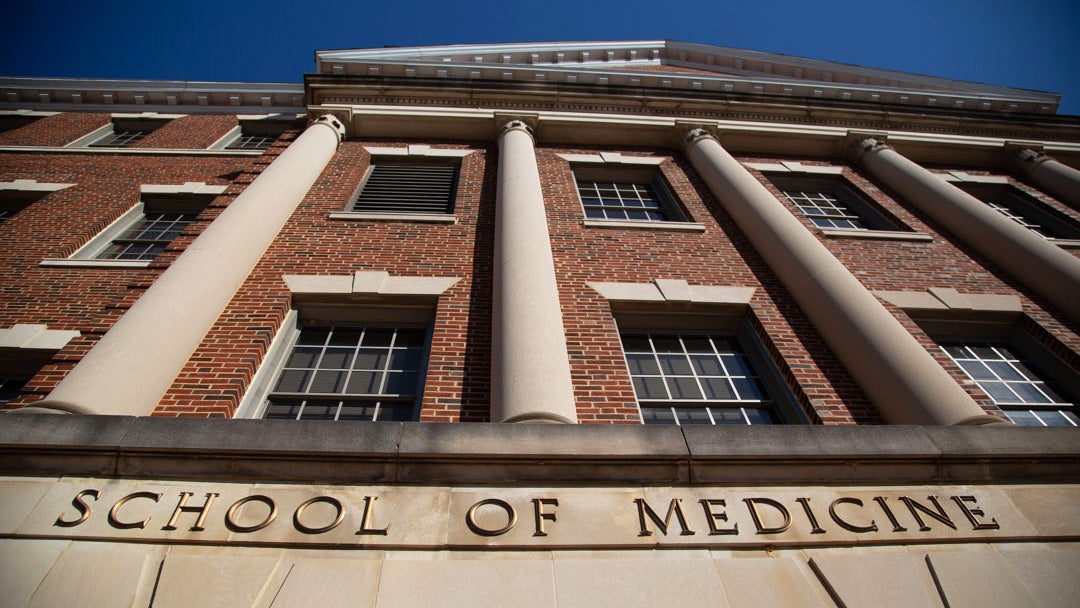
column 679, row 65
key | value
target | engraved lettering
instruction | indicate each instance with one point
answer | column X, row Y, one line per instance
column 540, row 515
column 752, row 503
column 333, row 502
column 896, row 527
column 114, row 520
column 814, row 527
column 713, row 518
column 230, row 515
column 939, row 515
column 674, row 508
column 973, row 514
column 366, row 528
column 181, row 507
column 511, row 517
column 80, row 506
column 845, row 524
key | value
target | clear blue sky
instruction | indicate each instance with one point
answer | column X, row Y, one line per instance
column 1033, row 44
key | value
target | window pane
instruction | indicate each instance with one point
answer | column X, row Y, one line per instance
column 692, row 415
column 293, row 381
column 718, row 389
column 314, row 410
column 657, row 415
column 728, row 416
column 336, row 358
column 1023, row 418
column 674, row 365
column 327, row 382
column 648, row 388
column 370, row 358
column 365, row 383
column 705, row 365
column 684, row 388
column 642, row 364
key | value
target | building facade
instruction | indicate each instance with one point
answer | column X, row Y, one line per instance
column 615, row 323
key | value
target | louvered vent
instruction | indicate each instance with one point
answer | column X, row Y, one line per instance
column 408, row 188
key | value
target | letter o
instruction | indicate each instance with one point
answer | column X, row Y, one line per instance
column 307, row 503
column 235, row 527
column 511, row 517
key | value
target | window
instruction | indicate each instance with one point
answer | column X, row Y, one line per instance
column 123, row 132
column 251, row 141
column 350, row 372
column 119, row 138
column 1024, row 210
column 24, row 350
column 135, row 238
column 695, row 378
column 626, row 194
column 148, row 233
column 11, row 386
column 402, row 186
column 9, row 208
column 19, row 194
column 255, row 133
column 1013, row 382
column 831, row 203
column 9, row 121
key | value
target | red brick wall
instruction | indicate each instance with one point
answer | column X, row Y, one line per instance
column 89, row 300
column 457, row 383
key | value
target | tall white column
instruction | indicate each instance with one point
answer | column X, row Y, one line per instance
column 1037, row 263
column 1047, row 174
column 530, row 368
column 902, row 380
column 132, row 366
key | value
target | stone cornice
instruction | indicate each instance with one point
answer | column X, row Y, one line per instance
column 713, row 69
column 94, row 95
column 687, row 104
column 365, row 452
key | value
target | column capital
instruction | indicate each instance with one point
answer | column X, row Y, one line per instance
column 858, row 144
column 330, row 121
column 1024, row 156
column 505, row 122
column 690, row 132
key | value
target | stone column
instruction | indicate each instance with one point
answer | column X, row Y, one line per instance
column 132, row 366
column 1047, row 174
column 1039, row 264
column 530, row 368
column 904, row 382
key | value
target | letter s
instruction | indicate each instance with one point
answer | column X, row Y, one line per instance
column 81, row 506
